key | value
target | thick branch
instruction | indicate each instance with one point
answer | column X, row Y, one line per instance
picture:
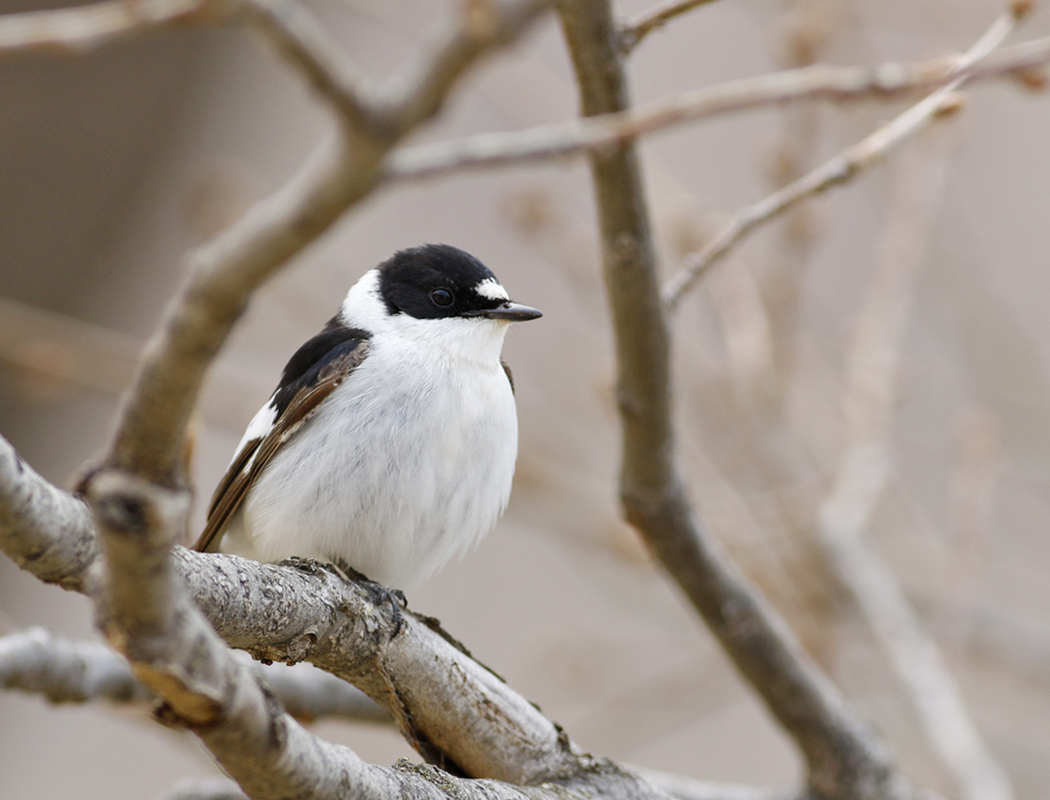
column 145, row 612
column 306, row 45
column 843, row 756
column 438, row 694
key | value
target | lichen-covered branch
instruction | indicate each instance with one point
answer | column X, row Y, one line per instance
column 44, row 530
column 146, row 613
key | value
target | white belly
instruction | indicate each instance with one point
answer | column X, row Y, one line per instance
column 409, row 473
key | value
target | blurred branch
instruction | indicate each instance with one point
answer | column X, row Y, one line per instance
column 79, row 29
column 637, row 28
column 304, row 43
column 1002, row 638
column 36, row 661
column 844, row 758
column 862, row 473
column 683, row 788
column 64, row 671
column 218, row 789
column 35, row 341
column 841, row 169
column 837, row 84
column 59, row 352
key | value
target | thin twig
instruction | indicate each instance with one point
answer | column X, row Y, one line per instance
column 637, row 28
column 420, row 93
column 64, row 354
column 841, row 169
column 306, row 44
column 594, row 134
column 861, row 477
column 79, row 29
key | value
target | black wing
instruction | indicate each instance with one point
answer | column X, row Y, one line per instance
column 309, row 377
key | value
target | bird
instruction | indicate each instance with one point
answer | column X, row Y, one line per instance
column 388, row 447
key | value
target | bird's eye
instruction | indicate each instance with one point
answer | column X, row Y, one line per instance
column 441, row 297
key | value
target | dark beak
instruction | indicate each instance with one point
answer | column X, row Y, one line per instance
column 512, row 312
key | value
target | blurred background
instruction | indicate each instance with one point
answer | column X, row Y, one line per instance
column 909, row 306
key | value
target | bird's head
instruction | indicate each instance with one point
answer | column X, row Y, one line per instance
column 438, row 296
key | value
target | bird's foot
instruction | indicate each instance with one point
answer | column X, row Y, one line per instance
column 377, row 593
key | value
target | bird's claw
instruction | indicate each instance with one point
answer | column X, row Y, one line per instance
column 378, row 594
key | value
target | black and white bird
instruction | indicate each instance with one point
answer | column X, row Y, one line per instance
column 389, row 444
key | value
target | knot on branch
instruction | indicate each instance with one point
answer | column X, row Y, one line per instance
column 130, row 508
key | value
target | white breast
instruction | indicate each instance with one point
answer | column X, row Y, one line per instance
column 405, row 465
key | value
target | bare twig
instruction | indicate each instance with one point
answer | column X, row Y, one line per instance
column 217, row 789
column 821, row 81
column 419, row 94
column 841, row 169
column 863, row 471
column 844, row 758
column 223, row 275
column 64, row 671
column 63, row 353
column 637, row 28
column 305, row 44
column 82, row 28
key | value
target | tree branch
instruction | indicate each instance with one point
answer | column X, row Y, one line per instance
column 861, row 476
column 146, row 613
column 637, row 28
column 846, row 165
column 588, row 135
column 419, row 94
column 300, row 38
column 64, row 671
column 76, row 30
column 843, row 756
column 44, row 530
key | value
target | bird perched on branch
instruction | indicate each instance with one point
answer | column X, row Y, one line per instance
column 389, row 444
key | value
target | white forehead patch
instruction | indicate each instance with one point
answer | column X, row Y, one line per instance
column 492, row 289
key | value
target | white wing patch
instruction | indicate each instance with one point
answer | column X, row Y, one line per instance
column 492, row 289
column 258, row 428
